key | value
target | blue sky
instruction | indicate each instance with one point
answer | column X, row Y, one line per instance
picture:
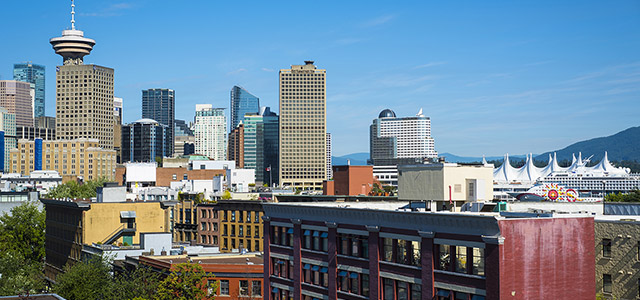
column 494, row 76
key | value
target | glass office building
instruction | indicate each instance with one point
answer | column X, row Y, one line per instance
column 261, row 134
column 160, row 105
column 34, row 74
column 242, row 103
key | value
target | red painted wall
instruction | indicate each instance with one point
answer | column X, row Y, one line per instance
column 547, row 258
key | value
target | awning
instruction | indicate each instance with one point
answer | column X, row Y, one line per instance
column 290, row 231
column 307, row 266
column 461, row 296
column 281, row 262
column 324, row 270
column 315, row 233
column 131, row 214
column 307, row 232
column 342, row 273
column 477, row 297
column 324, row 235
column 315, row 268
column 275, row 290
column 353, row 275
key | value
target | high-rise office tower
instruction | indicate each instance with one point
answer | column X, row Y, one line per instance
column 242, row 102
column 145, row 140
column 329, row 167
column 236, row 146
column 7, row 137
column 210, row 130
column 395, row 141
column 15, row 96
column 160, row 105
column 184, row 140
column 261, row 145
column 34, row 74
column 303, row 126
column 84, row 101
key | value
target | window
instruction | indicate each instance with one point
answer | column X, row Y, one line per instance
column 402, row 293
column 606, row 247
column 444, row 258
column 224, row 287
column 461, row 259
column 388, row 289
column 477, row 267
column 244, row 288
column 210, row 287
column 387, row 249
column 401, row 251
column 256, row 288
column 416, row 291
column 233, row 216
column 606, row 283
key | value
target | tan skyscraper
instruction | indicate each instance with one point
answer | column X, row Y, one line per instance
column 303, row 121
column 84, row 93
column 15, row 96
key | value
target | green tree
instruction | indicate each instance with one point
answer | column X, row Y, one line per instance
column 226, row 195
column 633, row 196
column 19, row 276
column 22, row 232
column 74, row 190
column 142, row 283
column 187, row 281
column 88, row 280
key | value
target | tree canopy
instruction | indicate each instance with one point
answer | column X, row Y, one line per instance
column 633, row 196
column 22, row 232
column 187, row 281
column 75, row 190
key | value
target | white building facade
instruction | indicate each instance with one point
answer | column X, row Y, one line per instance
column 400, row 140
column 210, row 132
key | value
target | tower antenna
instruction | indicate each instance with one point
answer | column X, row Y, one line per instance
column 73, row 18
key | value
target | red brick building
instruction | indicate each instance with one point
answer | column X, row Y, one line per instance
column 238, row 276
column 164, row 176
column 376, row 250
column 350, row 180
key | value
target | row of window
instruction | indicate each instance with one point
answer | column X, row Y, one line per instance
column 241, row 232
column 460, row 259
column 231, row 216
column 241, row 244
column 244, row 289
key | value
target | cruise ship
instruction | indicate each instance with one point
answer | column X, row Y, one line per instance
column 588, row 183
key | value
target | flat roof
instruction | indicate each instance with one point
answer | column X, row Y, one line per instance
column 223, row 259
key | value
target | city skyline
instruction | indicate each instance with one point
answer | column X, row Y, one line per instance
column 494, row 78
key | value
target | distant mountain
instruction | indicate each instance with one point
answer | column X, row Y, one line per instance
column 468, row 159
column 357, row 159
column 624, row 145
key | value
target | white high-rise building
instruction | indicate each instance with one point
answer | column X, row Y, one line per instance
column 210, row 132
column 405, row 140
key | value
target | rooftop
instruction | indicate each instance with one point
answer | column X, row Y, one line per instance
column 221, row 259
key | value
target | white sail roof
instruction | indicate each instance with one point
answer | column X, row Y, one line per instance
column 530, row 173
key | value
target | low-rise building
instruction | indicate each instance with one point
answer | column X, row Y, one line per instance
column 235, row 180
column 240, row 225
column 237, row 276
column 617, row 240
column 384, row 250
column 209, row 228
column 351, row 180
column 72, row 224
column 449, row 184
column 70, row 158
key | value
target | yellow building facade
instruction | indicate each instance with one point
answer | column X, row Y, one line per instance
column 80, row 158
column 240, row 225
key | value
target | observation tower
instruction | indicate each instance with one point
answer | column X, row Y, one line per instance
column 72, row 45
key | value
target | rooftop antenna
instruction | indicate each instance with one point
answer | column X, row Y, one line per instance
column 73, row 13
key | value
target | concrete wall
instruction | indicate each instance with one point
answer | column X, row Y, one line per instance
column 547, row 258
column 625, row 237
column 432, row 182
column 104, row 218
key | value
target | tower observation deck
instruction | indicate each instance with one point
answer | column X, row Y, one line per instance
column 72, row 45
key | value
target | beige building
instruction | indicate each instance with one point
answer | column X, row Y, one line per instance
column 72, row 224
column 16, row 97
column 617, row 241
column 84, row 103
column 80, row 157
column 303, row 121
column 446, row 181
column 8, row 126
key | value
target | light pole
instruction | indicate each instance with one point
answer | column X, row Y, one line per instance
column 604, row 190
